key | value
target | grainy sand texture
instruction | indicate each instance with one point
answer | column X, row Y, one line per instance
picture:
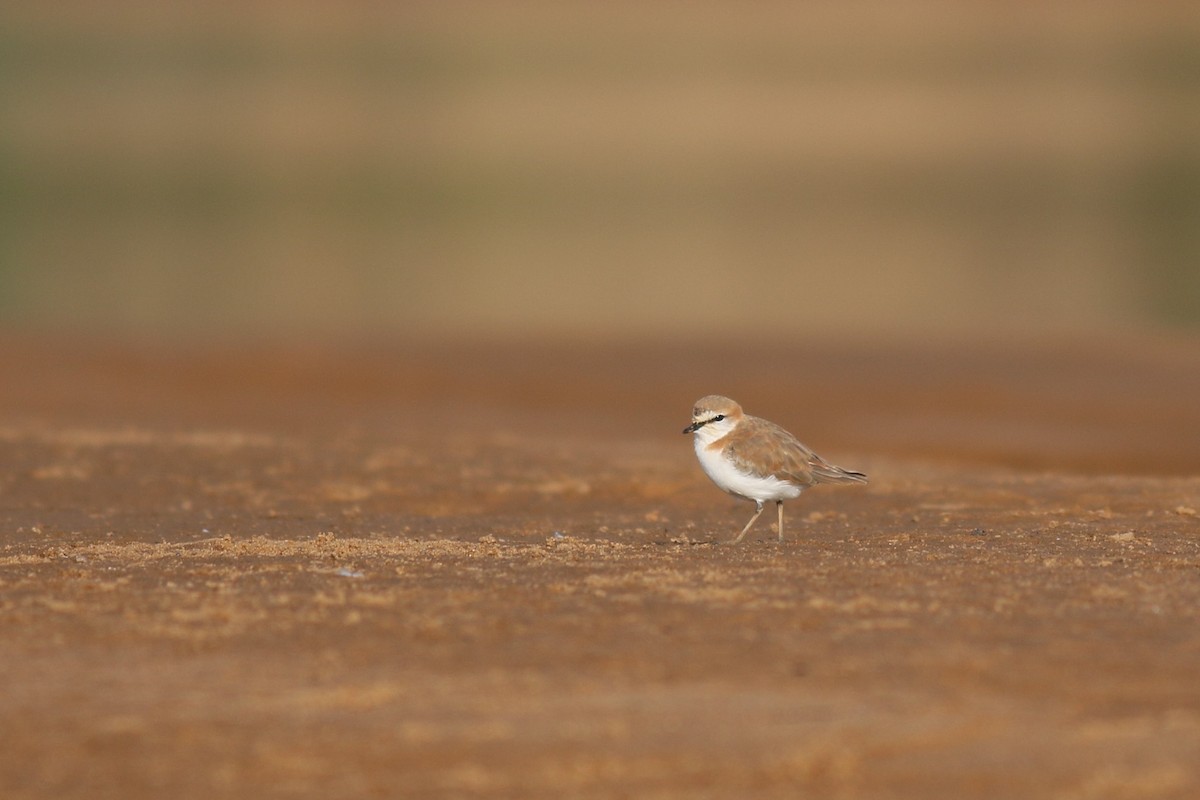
column 439, row 570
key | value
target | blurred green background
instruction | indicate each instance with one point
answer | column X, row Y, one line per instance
column 606, row 169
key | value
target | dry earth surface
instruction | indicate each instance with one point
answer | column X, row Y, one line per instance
column 453, row 570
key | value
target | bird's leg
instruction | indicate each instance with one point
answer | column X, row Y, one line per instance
column 742, row 535
column 779, row 505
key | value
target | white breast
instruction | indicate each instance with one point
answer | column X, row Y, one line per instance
column 726, row 475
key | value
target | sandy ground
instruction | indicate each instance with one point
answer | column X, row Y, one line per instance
column 422, row 570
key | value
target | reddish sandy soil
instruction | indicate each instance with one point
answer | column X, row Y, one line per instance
column 461, row 571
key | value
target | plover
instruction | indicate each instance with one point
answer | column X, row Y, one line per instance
column 755, row 459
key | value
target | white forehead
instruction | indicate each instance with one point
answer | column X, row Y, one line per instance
column 714, row 405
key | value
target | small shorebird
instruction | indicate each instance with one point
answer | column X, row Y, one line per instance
column 755, row 459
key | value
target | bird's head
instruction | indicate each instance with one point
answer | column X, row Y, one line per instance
column 714, row 416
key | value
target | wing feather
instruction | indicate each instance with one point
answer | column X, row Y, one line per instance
column 758, row 444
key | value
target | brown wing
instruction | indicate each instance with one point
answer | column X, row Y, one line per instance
column 758, row 441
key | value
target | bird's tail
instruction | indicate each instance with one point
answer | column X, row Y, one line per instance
column 830, row 473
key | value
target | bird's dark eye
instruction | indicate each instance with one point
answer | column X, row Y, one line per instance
column 718, row 417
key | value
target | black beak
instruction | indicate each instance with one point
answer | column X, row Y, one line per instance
column 695, row 426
